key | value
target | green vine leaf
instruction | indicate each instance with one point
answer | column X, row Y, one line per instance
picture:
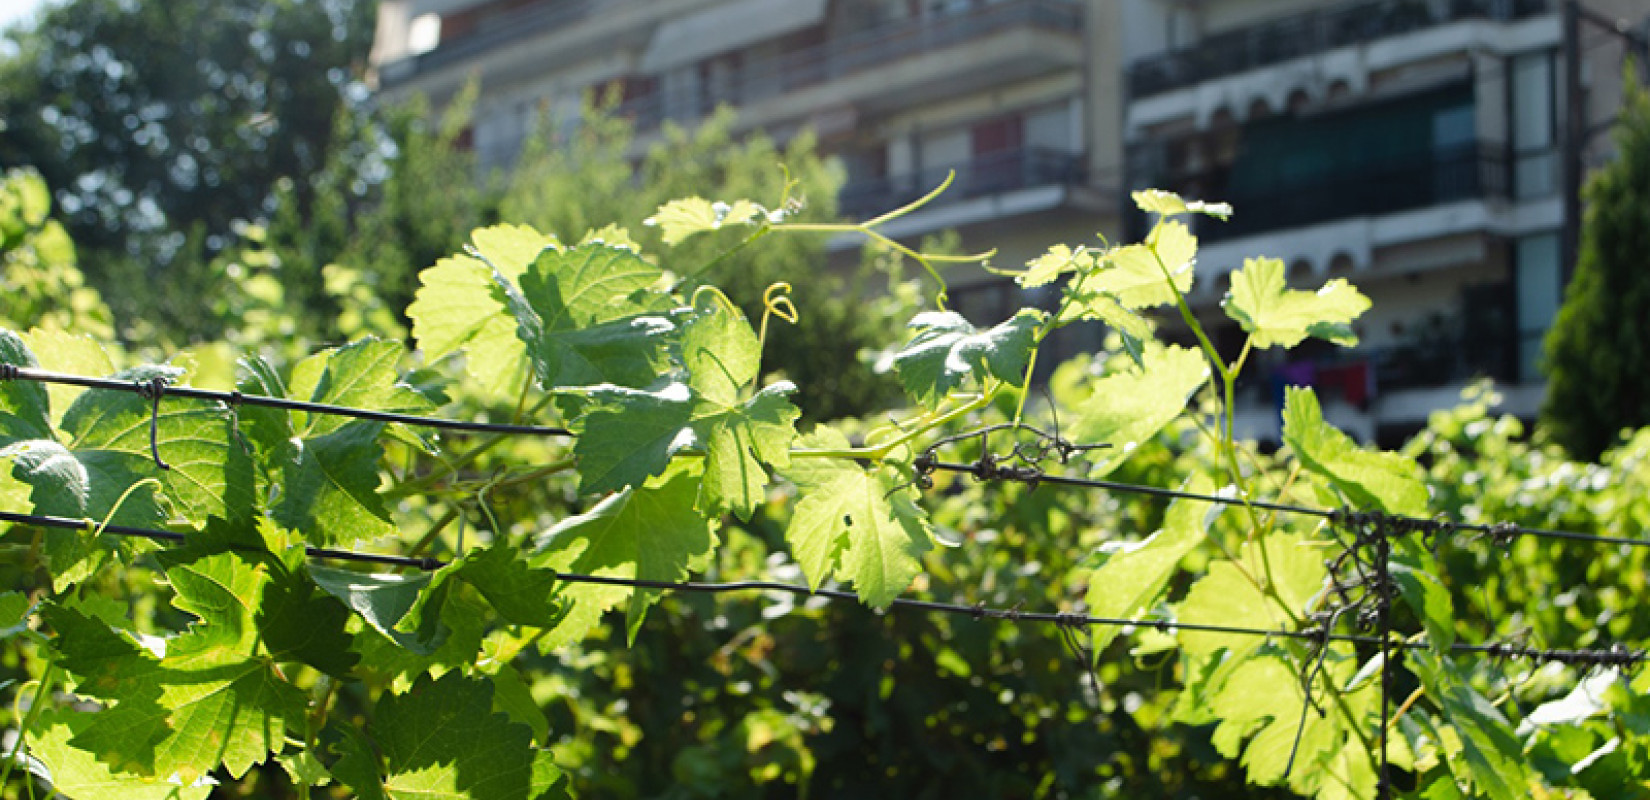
column 215, row 683
column 629, row 435
column 325, row 469
column 61, row 351
column 1228, row 595
column 1382, row 480
column 742, row 444
column 1490, row 756
column 25, row 408
column 441, row 739
column 1276, row 316
column 721, row 353
column 1169, row 204
column 860, row 523
column 1048, row 267
column 383, row 601
column 1134, row 274
column 73, row 772
column 648, row 532
column 1129, row 407
column 588, row 318
column 1133, row 575
column 461, row 305
column 684, row 217
column 948, row 350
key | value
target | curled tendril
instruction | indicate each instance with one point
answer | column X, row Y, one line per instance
column 776, row 301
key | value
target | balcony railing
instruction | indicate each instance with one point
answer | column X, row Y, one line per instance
column 1269, row 203
column 489, row 34
column 989, row 174
column 1316, row 31
column 759, row 79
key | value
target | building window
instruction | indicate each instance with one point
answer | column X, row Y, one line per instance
column 1540, row 287
column 1532, row 123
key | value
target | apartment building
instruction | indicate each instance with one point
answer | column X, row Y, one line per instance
column 1427, row 150
column 1020, row 98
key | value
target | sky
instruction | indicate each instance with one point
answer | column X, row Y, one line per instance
column 13, row 10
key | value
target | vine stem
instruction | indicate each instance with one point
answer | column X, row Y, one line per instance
column 35, row 709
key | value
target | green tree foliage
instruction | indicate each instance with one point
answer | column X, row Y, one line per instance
column 1598, row 347
column 160, row 124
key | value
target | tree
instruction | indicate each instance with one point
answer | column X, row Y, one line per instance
column 160, row 124
column 1599, row 345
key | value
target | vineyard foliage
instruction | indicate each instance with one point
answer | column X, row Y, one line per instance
column 230, row 658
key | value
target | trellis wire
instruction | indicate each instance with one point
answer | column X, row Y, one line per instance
column 1610, row 657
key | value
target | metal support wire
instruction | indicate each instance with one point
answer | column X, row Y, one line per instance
column 233, row 399
column 1615, row 656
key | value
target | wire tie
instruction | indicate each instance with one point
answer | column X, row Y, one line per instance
column 154, row 389
column 8, row 372
column 1503, row 534
column 978, row 611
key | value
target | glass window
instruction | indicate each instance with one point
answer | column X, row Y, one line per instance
column 1535, row 164
column 1540, row 290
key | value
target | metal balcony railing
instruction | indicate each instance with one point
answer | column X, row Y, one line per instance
column 988, row 174
column 1271, row 202
column 1315, row 31
column 759, row 79
column 489, row 34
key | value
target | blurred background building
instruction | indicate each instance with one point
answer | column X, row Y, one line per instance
column 1427, row 150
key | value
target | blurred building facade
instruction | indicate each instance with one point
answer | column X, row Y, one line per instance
column 1427, row 150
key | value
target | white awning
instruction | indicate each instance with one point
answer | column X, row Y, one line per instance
column 729, row 26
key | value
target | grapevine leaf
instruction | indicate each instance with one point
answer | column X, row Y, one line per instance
column 741, row 444
column 1133, row 329
column 305, row 769
column 1275, row 315
column 1130, row 407
column 325, row 468
column 721, row 353
column 1048, row 267
column 510, row 248
column 300, row 624
column 947, row 350
column 519, row 593
column 61, row 351
column 441, row 740
column 860, row 523
column 1227, row 596
column 450, row 611
column 209, row 474
column 629, row 435
column 1135, row 274
column 587, row 317
column 383, row 601
column 1427, row 597
column 461, row 305
column 513, row 698
column 213, row 698
column 1368, row 479
column 82, row 486
column 1134, row 575
column 328, row 486
column 648, row 532
column 25, row 406
column 361, row 374
column 74, row 772
column 1169, row 204
column 1491, row 756
column 684, row 217
column 14, row 614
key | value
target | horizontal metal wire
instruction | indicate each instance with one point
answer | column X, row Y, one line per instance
column 235, row 398
column 1614, row 656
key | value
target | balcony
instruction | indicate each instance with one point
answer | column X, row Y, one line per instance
column 985, row 175
column 489, row 35
column 1269, row 201
column 1006, row 41
column 1291, row 37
